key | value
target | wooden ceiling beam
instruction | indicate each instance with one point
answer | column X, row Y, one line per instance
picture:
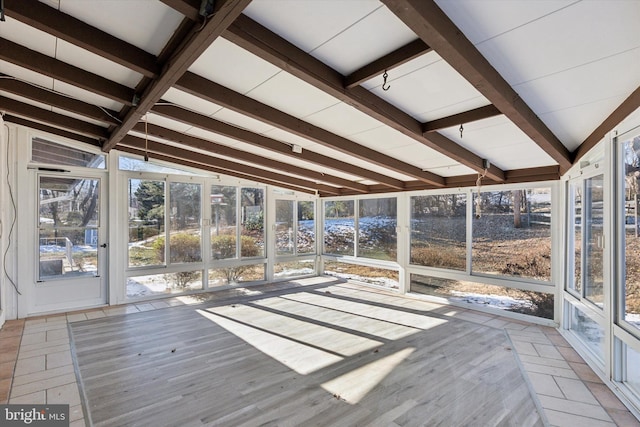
column 433, row 26
column 390, row 61
column 225, row 165
column 81, row 34
column 627, row 107
column 269, row 46
column 194, row 44
column 218, row 94
column 216, row 126
column 54, row 68
column 26, row 90
column 461, row 118
column 189, row 8
column 58, row 120
column 223, row 150
column 52, row 130
column 209, row 168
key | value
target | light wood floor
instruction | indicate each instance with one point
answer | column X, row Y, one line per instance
column 326, row 354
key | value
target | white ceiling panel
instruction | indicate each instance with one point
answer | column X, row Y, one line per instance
column 567, row 89
column 290, row 138
column 584, row 40
column 191, row 102
column 146, row 24
column 214, row 137
column 309, row 23
column 494, row 138
column 404, row 69
column 243, row 73
column 330, row 152
column 356, row 46
column 165, row 123
column 96, row 64
column 85, row 95
column 483, row 20
column 429, row 88
column 343, row 120
column 420, row 156
column 382, row 138
column 28, row 37
column 571, row 125
column 22, row 74
column 78, row 116
column 292, row 95
column 241, row 121
column 298, row 162
column 449, row 171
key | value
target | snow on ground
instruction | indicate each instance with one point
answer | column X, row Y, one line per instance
column 380, row 281
column 495, row 301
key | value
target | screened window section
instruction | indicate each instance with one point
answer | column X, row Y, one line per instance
column 285, row 231
column 339, row 227
column 630, row 232
column 146, row 222
column 306, row 238
column 184, row 222
column 370, row 225
column 377, row 221
column 223, row 222
column 512, row 233
column 439, row 231
column 252, row 223
column 43, row 151
column 68, row 226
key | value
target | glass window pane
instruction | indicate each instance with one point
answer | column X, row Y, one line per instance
column 223, row 222
column 138, row 165
column 294, row 268
column 165, row 283
column 339, row 227
column 377, row 220
column 306, row 227
column 146, row 222
column 594, row 240
column 252, row 231
column 68, row 226
column 512, row 233
column 588, row 331
column 234, row 275
column 361, row 273
column 184, row 222
column 631, row 303
column 633, row 369
column 439, row 231
column 575, row 237
column 43, row 151
column 285, row 233
column 537, row 304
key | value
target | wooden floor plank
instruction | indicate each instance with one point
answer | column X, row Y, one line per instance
column 329, row 354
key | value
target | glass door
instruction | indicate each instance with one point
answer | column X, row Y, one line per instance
column 71, row 247
column 585, row 263
column 295, row 239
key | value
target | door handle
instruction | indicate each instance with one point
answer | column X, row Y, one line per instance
column 104, row 245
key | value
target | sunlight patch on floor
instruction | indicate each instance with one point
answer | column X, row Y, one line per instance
column 299, row 357
column 355, row 384
column 377, row 312
column 341, row 319
column 303, row 331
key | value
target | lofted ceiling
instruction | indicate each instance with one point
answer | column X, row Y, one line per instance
column 334, row 97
